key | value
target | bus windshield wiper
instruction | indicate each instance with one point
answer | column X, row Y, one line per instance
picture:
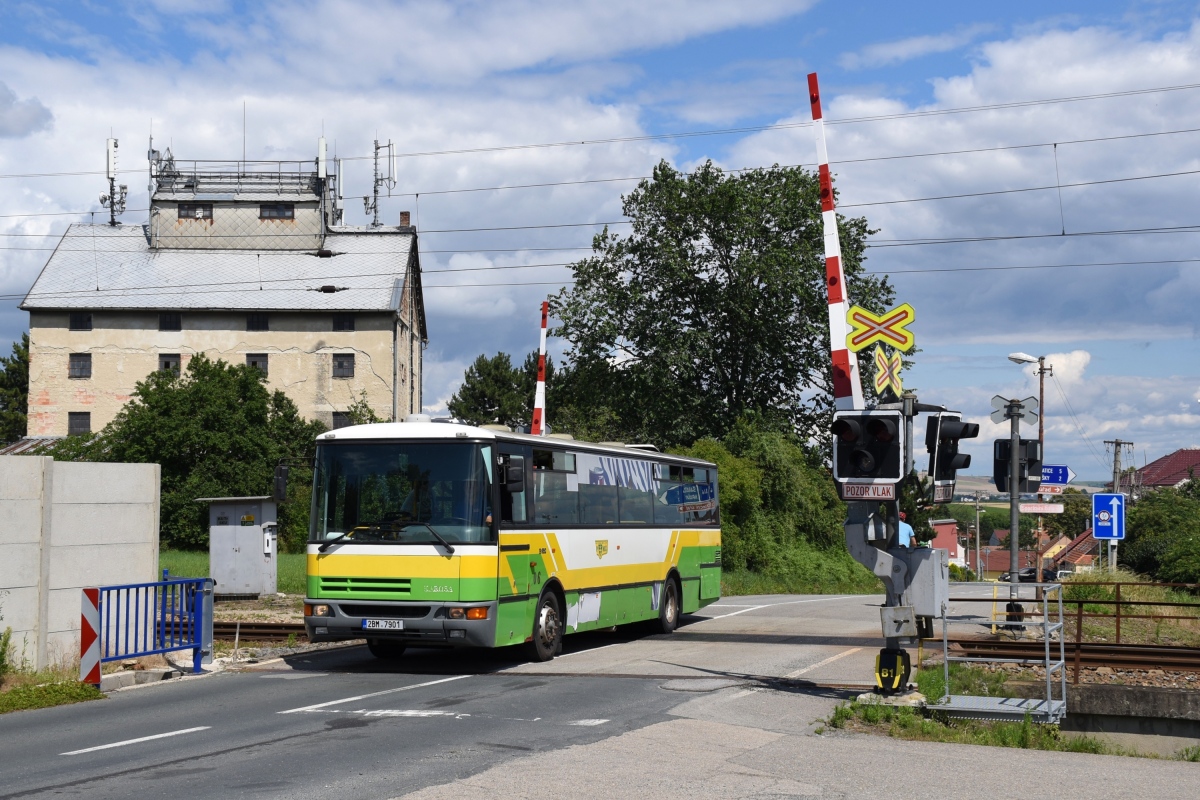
column 449, row 547
column 326, row 545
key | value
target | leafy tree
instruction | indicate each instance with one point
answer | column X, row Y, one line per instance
column 713, row 307
column 490, row 393
column 216, row 432
column 361, row 413
column 495, row 392
column 1076, row 517
column 14, row 391
column 1163, row 535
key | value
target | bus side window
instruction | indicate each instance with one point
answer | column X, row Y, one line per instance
column 512, row 505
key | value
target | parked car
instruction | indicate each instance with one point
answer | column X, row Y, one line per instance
column 1024, row 575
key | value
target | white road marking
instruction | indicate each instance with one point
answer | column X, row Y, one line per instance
column 772, row 605
column 135, row 741
column 829, row 660
column 296, row 676
column 372, row 694
column 588, row 723
column 589, row 650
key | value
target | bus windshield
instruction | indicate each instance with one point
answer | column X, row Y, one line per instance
column 402, row 492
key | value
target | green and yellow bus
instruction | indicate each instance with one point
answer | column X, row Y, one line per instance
column 431, row 533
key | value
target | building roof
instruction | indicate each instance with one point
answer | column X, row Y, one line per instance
column 1080, row 551
column 1170, row 470
column 999, row 559
column 28, row 445
column 106, row 267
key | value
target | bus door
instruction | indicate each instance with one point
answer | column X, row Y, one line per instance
column 515, row 543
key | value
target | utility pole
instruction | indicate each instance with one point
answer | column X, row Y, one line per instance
column 1041, row 372
column 1116, row 445
column 978, row 563
column 1013, row 412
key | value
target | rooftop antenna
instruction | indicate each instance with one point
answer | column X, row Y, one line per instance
column 371, row 204
column 114, row 201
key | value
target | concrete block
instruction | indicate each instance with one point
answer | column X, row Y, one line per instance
column 78, row 524
column 83, row 482
column 22, row 521
column 20, row 566
column 62, row 647
column 102, row 565
column 21, row 477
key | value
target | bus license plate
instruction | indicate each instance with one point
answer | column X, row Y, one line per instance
column 383, row 624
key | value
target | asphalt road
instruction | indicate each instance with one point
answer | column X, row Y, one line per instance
column 618, row 715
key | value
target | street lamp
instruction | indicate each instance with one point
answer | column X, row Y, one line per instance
column 1042, row 370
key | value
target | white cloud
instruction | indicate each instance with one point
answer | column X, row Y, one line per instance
column 891, row 53
column 19, row 118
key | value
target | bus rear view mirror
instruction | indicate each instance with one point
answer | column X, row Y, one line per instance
column 514, row 478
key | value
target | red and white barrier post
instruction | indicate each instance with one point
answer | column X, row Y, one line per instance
column 89, row 637
column 847, row 386
column 539, row 397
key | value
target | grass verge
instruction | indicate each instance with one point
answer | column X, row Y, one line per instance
column 926, row 725
column 290, row 577
column 24, row 698
column 804, row 569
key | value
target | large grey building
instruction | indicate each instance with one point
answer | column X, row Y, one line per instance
column 247, row 262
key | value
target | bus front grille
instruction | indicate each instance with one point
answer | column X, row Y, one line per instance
column 398, row 587
column 384, row 612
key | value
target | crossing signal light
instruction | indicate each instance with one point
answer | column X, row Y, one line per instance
column 868, row 450
column 1029, row 455
column 942, row 436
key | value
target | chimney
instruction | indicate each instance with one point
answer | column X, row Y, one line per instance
column 404, row 219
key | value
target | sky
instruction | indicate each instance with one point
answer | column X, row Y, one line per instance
column 1076, row 240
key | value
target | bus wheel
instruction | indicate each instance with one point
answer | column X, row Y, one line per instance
column 547, row 629
column 385, row 649
column 668, row 607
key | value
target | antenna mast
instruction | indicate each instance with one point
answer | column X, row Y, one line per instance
column 371, row 204
column 114, row 201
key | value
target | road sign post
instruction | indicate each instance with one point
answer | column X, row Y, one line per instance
column 1108, row 519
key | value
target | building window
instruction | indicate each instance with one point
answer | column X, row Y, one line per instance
column 82, row 320
column 79, row 365
column 170, row 321
column 169, row 362
column 341, row 420
column 257, row 322
column 343, row 322
column 195, row 210
column 343, row 365
column 258, row 361
column 277, row 211
column 79, row 422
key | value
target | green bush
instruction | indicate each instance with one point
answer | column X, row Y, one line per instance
column 5, row 644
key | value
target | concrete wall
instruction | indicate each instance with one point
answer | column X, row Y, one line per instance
column 125, row 348
column 65, row 526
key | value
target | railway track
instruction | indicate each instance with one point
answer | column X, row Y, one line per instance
column 259, row 631
column 1089, row 654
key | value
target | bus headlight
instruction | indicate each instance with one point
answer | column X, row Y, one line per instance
column 455, row 613
column 318, row 610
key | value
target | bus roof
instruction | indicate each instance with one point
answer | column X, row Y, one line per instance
column 455, row 430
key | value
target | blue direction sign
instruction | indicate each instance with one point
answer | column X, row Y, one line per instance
column 1057, row 474
column 1108, row 516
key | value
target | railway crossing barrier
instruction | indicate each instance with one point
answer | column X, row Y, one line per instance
column 142, row 619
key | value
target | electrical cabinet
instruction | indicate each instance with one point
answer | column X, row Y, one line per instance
column 242, row 546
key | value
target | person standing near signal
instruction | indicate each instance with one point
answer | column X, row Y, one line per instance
column 904, row 532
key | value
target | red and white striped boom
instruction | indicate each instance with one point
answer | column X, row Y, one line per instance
column 539, row 397
column 847, row 387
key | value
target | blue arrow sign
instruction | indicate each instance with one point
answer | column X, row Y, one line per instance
column 1108, row 516
column 1057, row 474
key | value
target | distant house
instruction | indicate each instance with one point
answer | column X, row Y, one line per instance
column 1170, row 470
column 246, row 262
column 1079, row 555
column 997, row 560
column 945, row 537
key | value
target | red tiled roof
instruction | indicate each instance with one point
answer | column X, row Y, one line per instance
column 1080, row 551
column 999, row 559
column 1170, row 469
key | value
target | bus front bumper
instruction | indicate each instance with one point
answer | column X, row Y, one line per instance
column 413, row 623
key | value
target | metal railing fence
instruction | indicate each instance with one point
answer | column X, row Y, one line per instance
column 142, row 619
